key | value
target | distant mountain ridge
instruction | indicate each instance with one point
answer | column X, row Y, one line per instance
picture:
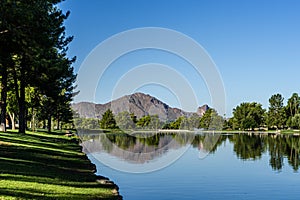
column 138, row 103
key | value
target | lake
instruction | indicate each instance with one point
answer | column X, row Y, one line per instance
column 198, row 166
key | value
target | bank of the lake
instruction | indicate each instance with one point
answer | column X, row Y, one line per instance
column 38, row 165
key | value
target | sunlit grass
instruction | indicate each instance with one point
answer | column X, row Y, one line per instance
column 47, row 166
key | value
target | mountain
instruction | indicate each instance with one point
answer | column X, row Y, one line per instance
column 138, row 103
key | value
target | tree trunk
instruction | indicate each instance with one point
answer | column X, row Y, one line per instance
column 20, row 95
column 49, row 124
column 33, row 128
column 22, row 107
column 12, row 118
column 3, row 98
column 58, row 124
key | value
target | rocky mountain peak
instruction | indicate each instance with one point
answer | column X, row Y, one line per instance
column 138, row 103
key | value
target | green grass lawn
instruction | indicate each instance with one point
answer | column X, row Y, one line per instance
column 48, row 166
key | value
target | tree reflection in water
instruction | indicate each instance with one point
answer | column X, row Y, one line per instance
column 245, row 146
column 279, row 147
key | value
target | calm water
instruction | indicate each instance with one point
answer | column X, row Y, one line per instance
column 239, row 166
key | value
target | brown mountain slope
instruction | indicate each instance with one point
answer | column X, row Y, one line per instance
column 138, row 103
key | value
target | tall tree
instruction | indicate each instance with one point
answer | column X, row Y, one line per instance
column 211, row 120
column 292, row 108
column 124, row 120
column 108, row 120
column 293, row 104
column 276, row 115
column 248, row 116
column 32, row 33
column 144, row 121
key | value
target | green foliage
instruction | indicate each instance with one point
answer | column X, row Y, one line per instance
column 133, row 118
column 293, row 105
column 176, row 124
column 149, row 122
column 296, row 121
column 184, row 123
column 33, row 46
column 292, row 108
column 144, row 121
column 86, row 123
column 154, row 122
column 108, row 121
column 228, row 124
column 248, row 116
column 194, row 121
column 211, row 120
column 276, row 115
column 125, row 120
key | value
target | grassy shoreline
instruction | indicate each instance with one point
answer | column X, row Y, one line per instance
column 49, row 166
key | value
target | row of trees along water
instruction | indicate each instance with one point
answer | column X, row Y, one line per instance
column 125, row 121
column 278, row 116
column 37, row 77
column 246, row 116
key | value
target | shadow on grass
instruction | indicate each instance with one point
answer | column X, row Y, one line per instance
column 38, row 162
column 46, row 160
column 36, row 194
column 41, row 141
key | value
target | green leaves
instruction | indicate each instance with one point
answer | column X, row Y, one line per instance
column 248, row 116
column 33, row 36
column 108, row 121
column 276, row 116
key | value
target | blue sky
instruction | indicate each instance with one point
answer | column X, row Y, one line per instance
column 255, row 44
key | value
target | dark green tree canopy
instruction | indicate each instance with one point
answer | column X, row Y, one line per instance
column 276, row 115
column 108, row 120
column 248, row 116
column 211, row 120
column 33, row 46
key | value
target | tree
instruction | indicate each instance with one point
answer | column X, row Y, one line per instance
column 211, row 120
column 86, row 123
column 124, row 120
column 248, row 116
column 12, row 108
column 144, row 121
column 183, row 123
column 293, row 104
column 177, row 124
column 292, row 108
column 206, row 119
column 154, row 122
column 296, row 121
column 34, row 41
column 194, row 121
column 276, row 115
column 133, row 118
column 108, row 121
column 58, row 93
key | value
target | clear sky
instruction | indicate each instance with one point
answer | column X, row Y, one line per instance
column 255, row 44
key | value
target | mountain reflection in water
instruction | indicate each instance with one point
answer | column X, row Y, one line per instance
column 142, row 148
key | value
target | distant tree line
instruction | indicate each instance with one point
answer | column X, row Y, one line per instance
column 246, row 116
column 36, row 76
column 251, row 115
column 126, row 121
